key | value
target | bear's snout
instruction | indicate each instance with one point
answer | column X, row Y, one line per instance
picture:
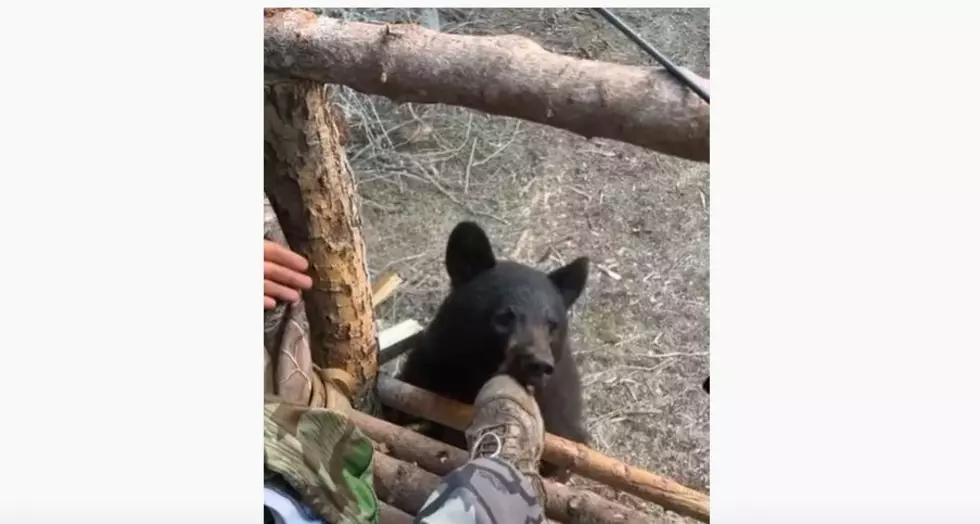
column 536, row 366
column 532, row 368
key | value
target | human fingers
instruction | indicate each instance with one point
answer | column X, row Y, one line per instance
column 287, row 277
column 280, row 292
column 282, row 255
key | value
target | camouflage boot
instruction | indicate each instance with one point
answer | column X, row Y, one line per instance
column 507, row 425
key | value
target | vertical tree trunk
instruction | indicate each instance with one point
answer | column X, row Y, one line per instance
column 312, row 191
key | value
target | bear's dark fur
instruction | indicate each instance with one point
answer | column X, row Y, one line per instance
column 502, row 316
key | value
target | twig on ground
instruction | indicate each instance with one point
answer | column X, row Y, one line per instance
column 675, row 354
column 457, row 201
column 374, row 204
column 579, row 191
column 520, row 245
column 609, row 272
column 500, row 149
column 466, row 181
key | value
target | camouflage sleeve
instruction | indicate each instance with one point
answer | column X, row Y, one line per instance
column 310, row 442
column 483, row 491
column 288, row 360
column 324, row 458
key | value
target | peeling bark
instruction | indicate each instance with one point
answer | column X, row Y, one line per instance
column 401, row 484
column 314, row 196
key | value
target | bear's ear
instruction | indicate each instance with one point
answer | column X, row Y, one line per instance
column 468, row 253
column 570, row 280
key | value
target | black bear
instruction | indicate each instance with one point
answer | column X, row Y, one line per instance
column 502, row 316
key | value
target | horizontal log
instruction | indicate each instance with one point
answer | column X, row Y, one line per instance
column 564, row 504
column 393, row 515
column 405, row 486
column 504, row 75
column 401, row 484
column 559, row 451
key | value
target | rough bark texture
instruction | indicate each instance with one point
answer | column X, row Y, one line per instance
column 564, row 504
column 401, row 484
column 504, row 75
column 313, row 195
column 561, row 452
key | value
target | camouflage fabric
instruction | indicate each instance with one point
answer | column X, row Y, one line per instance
column 310, row 442
column 324, row 458
column 289, row 367
column 483, row 491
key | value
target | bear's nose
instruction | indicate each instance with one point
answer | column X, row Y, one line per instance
column 537, row 367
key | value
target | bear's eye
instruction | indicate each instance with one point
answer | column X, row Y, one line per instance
column 504, row 320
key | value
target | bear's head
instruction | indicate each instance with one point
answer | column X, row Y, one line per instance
column 519, row 311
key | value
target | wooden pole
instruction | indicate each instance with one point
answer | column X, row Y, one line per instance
column 401, row 484
column 561, row 452
column 314, row 196
column 393, row 515
column 504, row 75
column 564, row 504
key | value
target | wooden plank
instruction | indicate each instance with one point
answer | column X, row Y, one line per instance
column 384, row 288
column 398, row 339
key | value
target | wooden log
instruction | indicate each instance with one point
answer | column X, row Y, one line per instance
column 559, row 451
column 505, row 75
column 401, row 484
column 313, row 194
column 564, row 504
column 393, row 515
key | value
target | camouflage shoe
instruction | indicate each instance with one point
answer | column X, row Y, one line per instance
column 507, row 424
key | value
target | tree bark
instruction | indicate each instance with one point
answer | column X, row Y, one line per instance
column 564, row 504
column 313, row 194
column 401, row 484
column 393, row 515
column 504, row 75
column 558, row 451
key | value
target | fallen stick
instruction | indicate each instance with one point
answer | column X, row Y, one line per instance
column 564, row 504
column 504, row 75
column 561, row 452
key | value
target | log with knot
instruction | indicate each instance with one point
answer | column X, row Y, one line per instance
column 504, row 75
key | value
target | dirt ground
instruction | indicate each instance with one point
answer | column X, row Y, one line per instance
column 640, row 331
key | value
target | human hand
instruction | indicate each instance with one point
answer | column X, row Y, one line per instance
column 285, row 275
